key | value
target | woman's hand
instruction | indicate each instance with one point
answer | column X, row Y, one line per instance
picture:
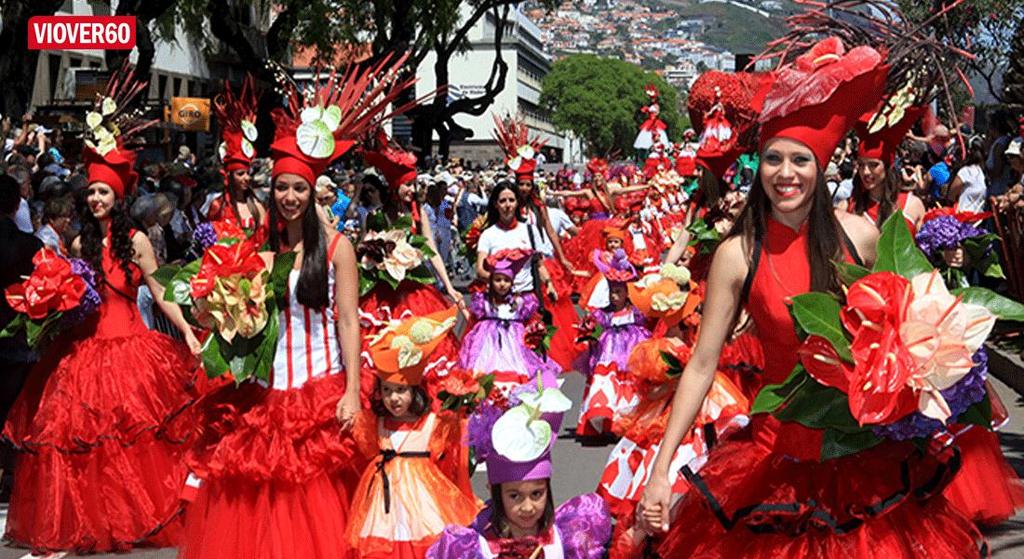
column 347, row 408
column 652, row 512
column 552, row 293
column 193, row 343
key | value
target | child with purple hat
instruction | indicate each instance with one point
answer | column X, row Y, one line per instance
column 521, row 521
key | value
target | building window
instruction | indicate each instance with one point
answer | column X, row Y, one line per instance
column 177, row 87
column 162, row 88
column 54, row 72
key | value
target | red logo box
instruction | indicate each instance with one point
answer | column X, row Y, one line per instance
column 81, row 32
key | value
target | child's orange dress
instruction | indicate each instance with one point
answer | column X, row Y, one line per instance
column 416, row 484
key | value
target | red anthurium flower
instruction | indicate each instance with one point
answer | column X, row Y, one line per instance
column 879, row 389
column 822, row 362
column 51, row 287
column 874, row 300
column 223, row 261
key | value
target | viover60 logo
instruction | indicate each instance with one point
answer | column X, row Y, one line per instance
column 81, row 32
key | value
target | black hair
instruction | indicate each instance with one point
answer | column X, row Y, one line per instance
column 171, row 186
column 890, row 186
column 499, row 525
column 311, row 289
column 91, row 239
column 823, row 235
column 493, row 215
column 420, row 401
column 10, row 195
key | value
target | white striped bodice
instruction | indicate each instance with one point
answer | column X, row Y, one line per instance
column 307, row 342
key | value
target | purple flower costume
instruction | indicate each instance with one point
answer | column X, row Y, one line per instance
column 581, row 528
column 496, row 343
column 610, row 393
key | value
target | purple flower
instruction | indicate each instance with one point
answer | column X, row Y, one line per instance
column 82, row 269
column 205, row 235
column 479, row 427
column 962, row 395
column 944, row 232
column 87, row 305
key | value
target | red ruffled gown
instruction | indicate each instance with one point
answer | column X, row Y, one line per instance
column 102, row 466
column 769, row 496
column 277, row 472
column 986, row 489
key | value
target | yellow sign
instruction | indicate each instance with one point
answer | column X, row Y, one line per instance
column 190, row 113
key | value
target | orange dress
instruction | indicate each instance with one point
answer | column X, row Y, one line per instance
column 417, row 484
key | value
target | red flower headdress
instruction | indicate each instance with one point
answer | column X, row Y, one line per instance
column 520, row 151
column 720, row 100
column 320, row 125
column 397, row 165
column 111, row 126
column 237, row 117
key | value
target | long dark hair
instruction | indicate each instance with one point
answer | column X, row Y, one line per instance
column 499, row 519
column 91, row 240
column 824, row 244
column 493, row 215
column 311, row 289
column 861, row 197
column 710, row 189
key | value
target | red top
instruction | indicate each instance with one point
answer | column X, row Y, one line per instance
column 901, row 204
column 783, row 272
column 118, row 314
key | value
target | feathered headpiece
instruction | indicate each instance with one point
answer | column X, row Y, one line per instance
column 112, row 124
column 520, row 151
column 320, row 124
column 237, row 117
column 397, row 165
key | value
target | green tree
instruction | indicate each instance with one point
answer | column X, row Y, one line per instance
column 1013, row 78
column 599, row 99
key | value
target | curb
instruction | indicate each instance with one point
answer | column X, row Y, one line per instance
column 1006, row 367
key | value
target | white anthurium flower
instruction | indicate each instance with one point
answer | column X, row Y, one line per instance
column 108, row 106
column 247, row 148
column 311, row 114
column 315, row 140
column 222, row 150
column 249, row 130
column 520, row 435
column 665, row 303
column 648, row 280
column 546, row 400
column 514, row 163
column 93, row 120
column 332, row 117
column 101, row 133
column 422, row 331
column 106, row 145
column 526, row 152
column 90, row 144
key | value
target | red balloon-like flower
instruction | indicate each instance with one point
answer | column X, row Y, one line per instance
column 51, row 287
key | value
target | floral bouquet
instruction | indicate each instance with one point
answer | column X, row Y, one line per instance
column 392, row 256
column 537, row 335
column 230, row 292
column 950, row 241
column 57, row 295
column 901, row 358
column 459, row 389
column 471, row 238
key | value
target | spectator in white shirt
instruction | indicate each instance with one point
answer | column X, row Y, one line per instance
column 23, row 218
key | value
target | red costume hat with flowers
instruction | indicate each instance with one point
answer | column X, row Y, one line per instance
column 803, row 103
column 598, row 166
column 880, row 137
column 725, row 106
column 237, row 117
column 110, row 126
column 520, row 151
column 319, row 126
column 397, row 165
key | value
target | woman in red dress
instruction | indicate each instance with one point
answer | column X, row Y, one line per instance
column 101, row 468
column 770, row 495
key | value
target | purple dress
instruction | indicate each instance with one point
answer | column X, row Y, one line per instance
column 610, row 393
column 496, row 343
column 581, row 529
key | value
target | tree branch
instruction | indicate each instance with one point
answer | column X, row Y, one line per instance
column 495, row 82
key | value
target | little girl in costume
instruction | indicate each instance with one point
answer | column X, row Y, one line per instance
column 521, row 521
column 418, row 480
column 495, row 344
column 594, row 294
column 609, row 391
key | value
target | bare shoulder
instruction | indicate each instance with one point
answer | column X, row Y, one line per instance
column 140, row 241
column 343, row 249
column 731, row 259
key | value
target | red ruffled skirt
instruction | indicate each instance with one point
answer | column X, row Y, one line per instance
column 986, row 489
column 277, row 473
column 750, row 502
column 382, row 304
column 102, row 465
column 579, row 250
column 564, row 348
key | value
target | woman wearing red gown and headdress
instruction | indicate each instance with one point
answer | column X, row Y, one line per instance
column 102, row 467
column 772, row 495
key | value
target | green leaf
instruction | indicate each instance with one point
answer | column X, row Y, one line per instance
column 282, row 267
column 376, row 221
column 978, row 414
column 178, row 290
column 771, row 396
column 849, row 273
column 388, row 279
column 1002, row 307
column 818, row 406
column 164, row 274
column 367, row 280
column 818, row 313
column 404, row 222
column 213, row 362
column 17, row 324
column 897, row 252
column 675, row 368
column 837, row 444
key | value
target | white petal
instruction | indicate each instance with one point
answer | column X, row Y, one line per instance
column 247, row 148
column 93, row 120
column 933, row 405
column 249, row 130
column 311, row 114
column 332, row 117
column 315, row 140
column 519, row 437
column 979, row 324
column 108, row 106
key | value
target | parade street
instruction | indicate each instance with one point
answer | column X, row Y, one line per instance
column 577, row 467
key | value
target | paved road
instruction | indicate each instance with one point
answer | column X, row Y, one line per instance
column 578, row 468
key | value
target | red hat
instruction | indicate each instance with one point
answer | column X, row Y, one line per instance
column 598, row 166
column 237, row 116
column 882, row 144
column 817, row 99
column 513, row 138
column 397, row 165
column 315, row 130
column 110, row 126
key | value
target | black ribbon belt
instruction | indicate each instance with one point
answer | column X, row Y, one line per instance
column 386, row 456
